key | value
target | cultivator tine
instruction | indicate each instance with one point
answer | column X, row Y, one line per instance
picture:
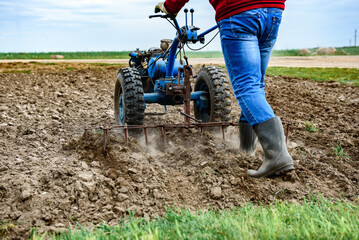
column 190, row 117
column 145, row 132
column 126, row 134
column 105, row 132
column 86, row 134
column 287, row 134
column 224, row 137
column 164, row 136
column 182, row 126
column 187, row 100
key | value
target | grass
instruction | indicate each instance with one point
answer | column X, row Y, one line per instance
column 296, row 52
column 124, row 54
column 339, row 151
column 17, row 71
column 285, row 53
column 315, row 218
column 6, row 228
column 205, row 54
column 310, row 127
column 67, row 55
column 342, row 75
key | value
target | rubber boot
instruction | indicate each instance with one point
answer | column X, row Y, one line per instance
column 276, row 157
column 247, row 138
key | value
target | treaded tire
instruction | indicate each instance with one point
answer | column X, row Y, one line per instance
column 212, row 80
column 129, row 87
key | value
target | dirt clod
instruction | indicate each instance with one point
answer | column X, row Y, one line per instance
column 216, row 192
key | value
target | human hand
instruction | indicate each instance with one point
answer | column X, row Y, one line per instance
column 160, row 7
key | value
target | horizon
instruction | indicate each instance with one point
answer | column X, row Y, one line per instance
column 123, row 51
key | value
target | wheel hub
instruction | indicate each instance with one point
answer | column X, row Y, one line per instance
column 121, row 112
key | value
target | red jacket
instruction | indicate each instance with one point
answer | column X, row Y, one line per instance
column 227, row 8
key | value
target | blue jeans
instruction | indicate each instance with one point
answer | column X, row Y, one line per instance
column 247, row 42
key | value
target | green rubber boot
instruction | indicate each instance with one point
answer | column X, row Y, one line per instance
column 276, row 157
column 247, row 138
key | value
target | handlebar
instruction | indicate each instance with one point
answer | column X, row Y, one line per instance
column 200, row 37
column 161, row 16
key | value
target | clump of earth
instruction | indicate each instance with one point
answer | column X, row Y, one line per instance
column 52, row 178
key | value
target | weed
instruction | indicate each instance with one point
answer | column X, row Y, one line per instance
column 339, row 151
column 310, row 127
column 18, row 71
column 48, row 63
column 300, row 151
column 69, row 68
column 34, row 235
column 42, row 63
column 106, row 64
column 96, row 131
column 6, row 228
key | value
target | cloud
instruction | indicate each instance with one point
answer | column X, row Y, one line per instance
column 27, row 25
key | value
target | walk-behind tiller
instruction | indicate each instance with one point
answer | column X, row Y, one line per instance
column 156, row 76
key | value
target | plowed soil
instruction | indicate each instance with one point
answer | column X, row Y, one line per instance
column 50, row 177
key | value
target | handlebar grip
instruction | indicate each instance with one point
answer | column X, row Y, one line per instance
column 153, row 16
column 160, row 15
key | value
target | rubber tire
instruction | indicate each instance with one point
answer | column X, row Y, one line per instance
column 218, row 93
column 128, row 83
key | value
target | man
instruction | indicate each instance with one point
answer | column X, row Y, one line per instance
column 248, row 30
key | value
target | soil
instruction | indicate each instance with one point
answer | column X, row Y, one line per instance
column 52, row 178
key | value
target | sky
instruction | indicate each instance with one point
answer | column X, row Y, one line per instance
column 123, row 25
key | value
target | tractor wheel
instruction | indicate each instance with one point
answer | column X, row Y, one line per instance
column 129, row 99
column 216, row 105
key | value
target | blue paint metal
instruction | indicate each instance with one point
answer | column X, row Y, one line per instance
column 191, row 35
column 178, row 28
column 121, row 110
column 172, row 57
column 157, row 68
column 152, row 97
column 133, row 54
column 208, row 31
column 159, row 97
column 164, row 70
column 197, row 95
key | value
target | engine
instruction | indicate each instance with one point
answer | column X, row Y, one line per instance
column 151, row 66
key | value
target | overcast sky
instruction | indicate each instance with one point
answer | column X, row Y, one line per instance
column 109, row 25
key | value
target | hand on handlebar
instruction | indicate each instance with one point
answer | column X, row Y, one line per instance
column 160, row 7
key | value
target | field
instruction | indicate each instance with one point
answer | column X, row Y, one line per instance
column 124, row 54
column 53, row 180
column 342, row 75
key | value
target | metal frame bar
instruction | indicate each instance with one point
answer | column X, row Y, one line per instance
column 163, row 127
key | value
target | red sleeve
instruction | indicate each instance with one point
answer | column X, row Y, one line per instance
column 174, row 6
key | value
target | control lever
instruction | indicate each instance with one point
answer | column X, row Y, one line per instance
column 185, row 12
column 192, row 11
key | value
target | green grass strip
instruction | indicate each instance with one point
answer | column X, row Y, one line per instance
column 296, row 52
column 67, row 55
column 342, row 75
column 124, row 54
column 315, row 218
